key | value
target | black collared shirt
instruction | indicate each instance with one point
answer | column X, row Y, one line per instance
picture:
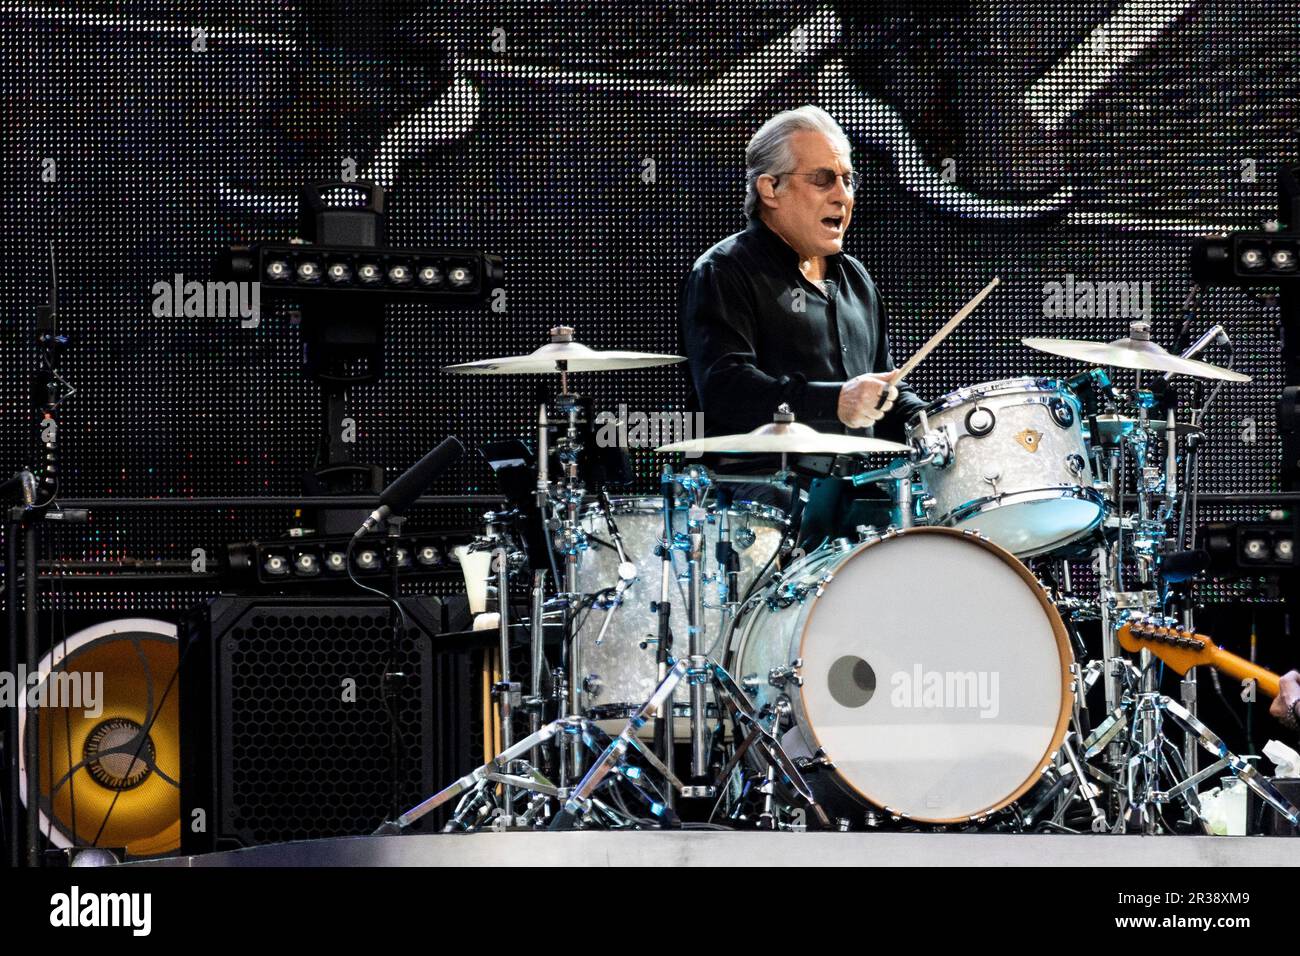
column 759, row 334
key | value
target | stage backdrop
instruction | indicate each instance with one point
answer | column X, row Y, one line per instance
column 598, row 148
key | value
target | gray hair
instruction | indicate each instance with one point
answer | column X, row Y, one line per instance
column 769, row 152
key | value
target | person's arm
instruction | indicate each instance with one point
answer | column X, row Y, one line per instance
column 718, row 330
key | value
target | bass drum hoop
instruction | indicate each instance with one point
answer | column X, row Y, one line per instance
column 1064, row 654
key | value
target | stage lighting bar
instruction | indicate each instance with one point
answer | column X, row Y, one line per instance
column 1247, row 258
column 297, row 269
column 1252, row 547
column 302, row 560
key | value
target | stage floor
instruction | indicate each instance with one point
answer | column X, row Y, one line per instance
column 705, row 848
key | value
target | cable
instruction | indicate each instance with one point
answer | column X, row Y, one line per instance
column 390, row 659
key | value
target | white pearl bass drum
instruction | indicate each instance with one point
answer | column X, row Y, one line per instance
column 927, row 666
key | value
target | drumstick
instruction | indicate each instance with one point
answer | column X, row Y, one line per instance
column 948, row 326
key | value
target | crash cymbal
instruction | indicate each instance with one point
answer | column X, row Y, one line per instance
column 785, row 437
column 563, row 355
column 1135, row 352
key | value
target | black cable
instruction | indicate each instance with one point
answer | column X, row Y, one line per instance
column 396, row 613
column 59, row 596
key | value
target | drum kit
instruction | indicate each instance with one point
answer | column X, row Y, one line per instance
column 924, row 673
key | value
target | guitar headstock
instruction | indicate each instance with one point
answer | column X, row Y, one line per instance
column 1180, row 649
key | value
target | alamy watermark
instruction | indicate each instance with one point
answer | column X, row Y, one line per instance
column 78, row 908
column 1076, row 298
column 208, row 300
column 71, row 690
column 946, row 690
column 636, row 429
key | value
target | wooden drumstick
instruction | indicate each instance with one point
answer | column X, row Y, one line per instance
column 948, row 326
column 906, row 368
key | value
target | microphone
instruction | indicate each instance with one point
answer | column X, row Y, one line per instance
column 399, row 495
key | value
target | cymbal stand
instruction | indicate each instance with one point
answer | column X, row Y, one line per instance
column 698, row 670
column 477, row 804
column 1152, row 758
column 664, row 733
column 569, row 539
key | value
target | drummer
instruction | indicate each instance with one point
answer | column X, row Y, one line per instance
column 779, row 313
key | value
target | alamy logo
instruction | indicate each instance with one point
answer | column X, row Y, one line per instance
column 946, row 690
column 1082, row 299
column 134, row 910
column 208, row 300
column 633, row 429
column 80, row 690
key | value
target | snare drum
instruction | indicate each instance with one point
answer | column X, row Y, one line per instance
column 1013, row 464
column 927, row 666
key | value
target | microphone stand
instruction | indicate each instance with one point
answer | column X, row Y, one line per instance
column 394, row 677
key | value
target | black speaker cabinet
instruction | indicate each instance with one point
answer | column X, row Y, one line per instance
column 285, row 732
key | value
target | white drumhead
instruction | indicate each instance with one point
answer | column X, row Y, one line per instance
column 936, row 675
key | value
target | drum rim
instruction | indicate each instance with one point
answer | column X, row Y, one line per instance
column 977, row 506
column 1003, row 386
column 1065, row 656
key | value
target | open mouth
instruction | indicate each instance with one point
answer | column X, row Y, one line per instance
column 835, row 223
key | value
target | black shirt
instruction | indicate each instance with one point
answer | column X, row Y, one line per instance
column 758, row 334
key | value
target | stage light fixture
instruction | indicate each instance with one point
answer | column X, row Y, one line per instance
column 1254, row 549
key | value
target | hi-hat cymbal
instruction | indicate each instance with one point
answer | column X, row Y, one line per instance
column 563, row 355
column 790, row 438
column 1135, row 352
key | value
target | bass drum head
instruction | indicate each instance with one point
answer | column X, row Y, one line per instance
column 935, row 675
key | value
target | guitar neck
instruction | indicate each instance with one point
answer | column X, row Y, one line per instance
column 1243, row 669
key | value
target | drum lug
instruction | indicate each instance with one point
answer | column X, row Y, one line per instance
column 780, row 676
column 819, row 761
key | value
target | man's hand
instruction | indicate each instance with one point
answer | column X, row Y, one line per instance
column 1284, row 704
column 861, row 398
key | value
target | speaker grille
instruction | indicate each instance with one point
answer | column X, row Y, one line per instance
column 302, row 734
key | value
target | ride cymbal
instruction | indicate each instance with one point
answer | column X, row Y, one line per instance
column 564, row 355
column 1135, row 352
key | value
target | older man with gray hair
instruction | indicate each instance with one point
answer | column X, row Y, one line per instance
column 779, row 313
